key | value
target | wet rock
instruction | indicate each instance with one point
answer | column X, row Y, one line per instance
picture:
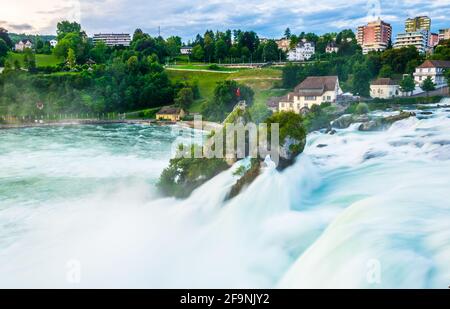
column 426, row 113
column 322, row 145
column 371, row 154
column 345, row 121
column 384, row 123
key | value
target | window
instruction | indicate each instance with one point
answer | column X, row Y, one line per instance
column 329, row 98
column 310, row 98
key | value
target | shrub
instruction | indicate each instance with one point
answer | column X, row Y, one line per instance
column 362, row 108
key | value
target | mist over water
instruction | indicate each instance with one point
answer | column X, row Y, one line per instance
column 359, row 203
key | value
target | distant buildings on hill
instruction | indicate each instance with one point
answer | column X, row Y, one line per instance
column 113, row 39
column 375, row 36
column 22, row 45
column 302, row 52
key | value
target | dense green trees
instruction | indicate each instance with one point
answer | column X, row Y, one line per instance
column 226, row 96
column 3, row 51
column 244, row 46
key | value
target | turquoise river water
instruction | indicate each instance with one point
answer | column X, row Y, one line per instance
column 79, row 208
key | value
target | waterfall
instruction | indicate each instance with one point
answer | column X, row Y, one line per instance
column 357, row 209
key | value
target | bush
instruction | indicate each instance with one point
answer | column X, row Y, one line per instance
column 362, row 108
column 214, row 67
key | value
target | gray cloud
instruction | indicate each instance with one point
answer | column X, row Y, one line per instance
column 269, row 18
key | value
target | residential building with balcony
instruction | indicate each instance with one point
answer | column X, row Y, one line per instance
column 113, row 39
column 375, row 36
column 418, row 39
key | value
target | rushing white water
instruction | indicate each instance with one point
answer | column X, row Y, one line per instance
column 360, row 210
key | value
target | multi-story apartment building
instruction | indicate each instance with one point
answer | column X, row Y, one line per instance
column 303, row 51
column 434, row 69
column 433, row 40
column 444, row 34
column 113, row 39
column 418, row 23
column 418, row 39
column 375, row 36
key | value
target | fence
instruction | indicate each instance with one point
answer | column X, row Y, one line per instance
column 48, row 118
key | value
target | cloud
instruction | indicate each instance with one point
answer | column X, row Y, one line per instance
column 186, row 18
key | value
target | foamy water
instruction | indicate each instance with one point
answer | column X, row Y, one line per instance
column 361, row 210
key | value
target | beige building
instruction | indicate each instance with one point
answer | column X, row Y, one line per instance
column 418, row 23
column 170, row 113
column 284, row 44
column 384, row 88
column 434, row 69
column 313, row 90
column 444, row 34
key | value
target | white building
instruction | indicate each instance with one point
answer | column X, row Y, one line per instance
column 418, row 39
column 434, row 69
column 186, row 50
column 22, row 45
column 303, row 51
column 53, row 43
column 384, row 88
column 314, row 90
column 113, row 39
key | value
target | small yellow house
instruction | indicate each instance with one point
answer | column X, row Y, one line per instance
column 170, row 113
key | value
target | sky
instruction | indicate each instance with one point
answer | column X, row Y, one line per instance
column 186, row 18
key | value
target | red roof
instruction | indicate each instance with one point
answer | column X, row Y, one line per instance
column 317, row 85
column 434, row 64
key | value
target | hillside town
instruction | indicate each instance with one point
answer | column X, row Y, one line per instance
column 411, row 64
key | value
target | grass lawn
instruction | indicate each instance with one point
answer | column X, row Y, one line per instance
column 264, row 82
column 41, row 60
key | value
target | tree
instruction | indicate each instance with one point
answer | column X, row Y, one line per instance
column 184, row 98
column 173, row 45
column 271, row 51
column 220, row 50
column 428, row 85
column 198, row 53
column 65, row 27
column 71, row 58
column 386, row 71
column 287, row 33
column 361, row 78
column 5, row 37
column 407, row 84
column 209, row 47
column 29, row 60
column 3, row 48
